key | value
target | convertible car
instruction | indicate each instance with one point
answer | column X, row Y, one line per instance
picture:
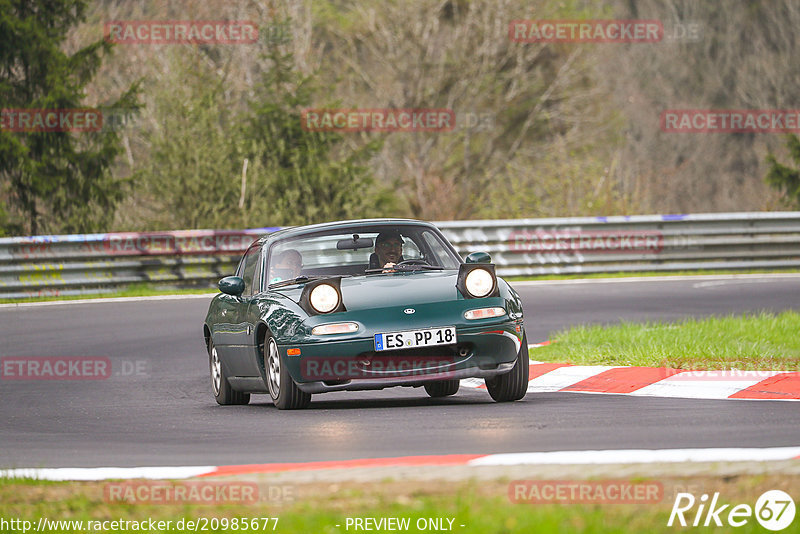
column 360, row 305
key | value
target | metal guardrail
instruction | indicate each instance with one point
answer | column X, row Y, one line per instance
column 97, row 263
column 764, row 240
column 75, row 264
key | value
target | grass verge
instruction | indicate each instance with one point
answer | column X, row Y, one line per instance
column 763, row 341
column 483, row 507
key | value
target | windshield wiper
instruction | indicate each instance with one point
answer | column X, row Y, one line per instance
column 299, row 280
column 302, row 279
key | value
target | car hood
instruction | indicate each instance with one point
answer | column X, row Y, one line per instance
column 400, row 289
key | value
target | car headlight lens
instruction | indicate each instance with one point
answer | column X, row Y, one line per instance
column 334, row 328
column 324, row 298
column 479, row 282
column 484, row 313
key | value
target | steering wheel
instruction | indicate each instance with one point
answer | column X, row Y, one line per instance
column 415, row 261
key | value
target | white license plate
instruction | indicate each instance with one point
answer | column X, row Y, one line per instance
column 415, row 338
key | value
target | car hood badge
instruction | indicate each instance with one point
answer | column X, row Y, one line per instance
column 409, row 311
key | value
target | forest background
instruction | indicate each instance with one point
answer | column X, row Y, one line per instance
column 542, row 129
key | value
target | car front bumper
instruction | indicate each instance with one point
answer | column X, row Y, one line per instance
column 480, row 351
column 361, row 384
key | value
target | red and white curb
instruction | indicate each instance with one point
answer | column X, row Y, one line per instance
column 659, row 382
column 590, row 457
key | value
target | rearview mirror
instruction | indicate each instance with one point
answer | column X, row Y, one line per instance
column 479, row 257
column 232, row 285
column 355, row 243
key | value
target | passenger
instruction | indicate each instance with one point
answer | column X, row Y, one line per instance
column 287, row 266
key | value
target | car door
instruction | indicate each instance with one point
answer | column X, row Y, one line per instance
column 251, row 315
column 240, row 363
column 225, row 327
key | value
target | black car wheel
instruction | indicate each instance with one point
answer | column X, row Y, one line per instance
column 442, row 388
column 513, row 385
column 284, row 392
column 222, row 390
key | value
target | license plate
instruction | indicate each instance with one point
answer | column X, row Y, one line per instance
column 415, row 338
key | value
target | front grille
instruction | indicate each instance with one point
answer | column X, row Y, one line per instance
column 438, row 352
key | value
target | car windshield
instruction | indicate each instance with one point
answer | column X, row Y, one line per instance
column 358, row 250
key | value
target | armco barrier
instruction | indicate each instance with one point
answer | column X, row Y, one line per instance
column 74, row 264
column 765, row 240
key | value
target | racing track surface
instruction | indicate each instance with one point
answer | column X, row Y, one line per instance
column 164, row 414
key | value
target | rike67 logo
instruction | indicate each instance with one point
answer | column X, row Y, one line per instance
column 774, row 510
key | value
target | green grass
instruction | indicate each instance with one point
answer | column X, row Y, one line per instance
column 482, row 507
column 763, row 341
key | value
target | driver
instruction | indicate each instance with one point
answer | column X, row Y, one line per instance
column 287, row 266
column 388, row 250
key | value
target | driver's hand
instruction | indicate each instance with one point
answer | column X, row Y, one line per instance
column 388, row 267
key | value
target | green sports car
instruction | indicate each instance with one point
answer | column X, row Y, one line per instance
column 360, row 305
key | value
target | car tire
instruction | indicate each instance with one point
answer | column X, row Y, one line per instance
column 220, row 387
column 442, row 388
column 284, row 392
column 512, row 386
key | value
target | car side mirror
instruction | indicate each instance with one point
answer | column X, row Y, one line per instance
column 479, row 257
column 232, row 285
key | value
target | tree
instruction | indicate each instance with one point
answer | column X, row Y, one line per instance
column 784, row 178
column 701, row 172
column 520, row 108
column 205, row 134
column 54, row 181
column 305, row 176
column 4, row 225
column 190, row 174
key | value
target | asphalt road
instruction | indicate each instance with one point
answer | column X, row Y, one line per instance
column 157, row 409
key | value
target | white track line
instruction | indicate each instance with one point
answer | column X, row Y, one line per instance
column 629, row 279
column 519, row 283
column 629, row 456
column 105, row 473
column 107, row 300
column 638, row 456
